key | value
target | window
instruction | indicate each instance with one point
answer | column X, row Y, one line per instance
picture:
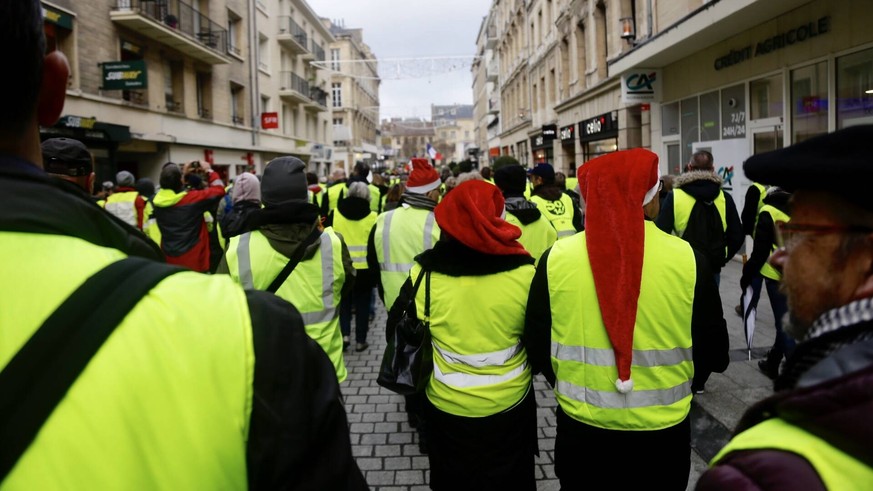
column 602, row 40
column 234, row 33
column 337, row 94
column 237, row 109
column 263, row 53
column 204, row 95
column 809, row 97
column 690, row 129
column 131, row 51
column 854, row 81
column 581, row 64
column 766, row 97
column 173, row 84
column 334, row 59
column 670, row 119
column 265, row 104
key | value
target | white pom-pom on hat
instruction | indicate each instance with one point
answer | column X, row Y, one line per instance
column 624, row 386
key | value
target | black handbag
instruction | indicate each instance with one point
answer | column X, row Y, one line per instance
column 408, row 360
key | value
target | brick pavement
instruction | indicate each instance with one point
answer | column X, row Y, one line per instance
column 386, row 447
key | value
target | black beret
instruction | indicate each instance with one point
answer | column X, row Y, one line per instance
column 839, row 162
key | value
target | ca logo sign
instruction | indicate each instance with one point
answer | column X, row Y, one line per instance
column 641, row 83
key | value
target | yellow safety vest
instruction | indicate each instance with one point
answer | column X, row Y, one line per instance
column 186, row 424
column 355, row 234
column 480, row 365
column 762, row 193
column 314, row 286
column 375, row 198
column 572, row 184
column 559, row 213
column 682, row 205
column 582, row 354
column 778, row 215
column 837, row 469
column 536, row 236
column 123, row 206
column 400, row 235
column 334, row 194
column 150, row 224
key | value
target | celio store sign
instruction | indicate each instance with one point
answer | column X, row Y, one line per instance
column 784, row 39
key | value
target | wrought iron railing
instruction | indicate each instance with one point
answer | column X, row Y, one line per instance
column 292, row 81
column 318, row 51
column 318, row 96
column 288, row 26
column 182, row 17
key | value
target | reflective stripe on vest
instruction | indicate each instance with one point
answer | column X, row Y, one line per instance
column 559, row 213
column 123, row 206
column 582, row 353
column 355, row 234
column 683, row 203
column 837, row 469
column 194, row 381
column 480, row 365
column 313, row 286
column 401, row 234
column 777, row 215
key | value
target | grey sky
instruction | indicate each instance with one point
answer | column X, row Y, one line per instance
column 415, row 28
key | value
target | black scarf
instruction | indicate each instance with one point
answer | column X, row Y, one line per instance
column 416, row 200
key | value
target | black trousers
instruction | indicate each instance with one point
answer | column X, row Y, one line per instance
column 659, row 459
column 360, row 298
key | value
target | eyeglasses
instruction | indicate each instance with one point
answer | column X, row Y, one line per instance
column 789, row 234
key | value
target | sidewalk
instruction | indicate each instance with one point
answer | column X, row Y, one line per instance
column 386, row 447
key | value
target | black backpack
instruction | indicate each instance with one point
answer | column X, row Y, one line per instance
column 706, row 233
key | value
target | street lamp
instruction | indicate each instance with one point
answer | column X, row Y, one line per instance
column 628, row 29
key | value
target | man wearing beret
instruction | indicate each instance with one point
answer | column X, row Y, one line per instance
column 815, row 431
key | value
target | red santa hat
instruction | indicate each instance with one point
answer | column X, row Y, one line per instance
column 423, row 178
column 473, row 213
column 615, row 187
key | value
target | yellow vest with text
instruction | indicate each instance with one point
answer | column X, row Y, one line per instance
column 401, row 234
column 314, row 286
column 837, row 469
column 480, row 365
column 559, row 213
column 581, row 352
column 166, row 401
column 355, row 234
column 123, row 206
column 536, row 236
column 778, row 215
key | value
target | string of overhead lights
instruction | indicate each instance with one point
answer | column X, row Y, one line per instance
column 398, row 68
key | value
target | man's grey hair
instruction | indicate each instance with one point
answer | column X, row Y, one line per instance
column 359, row 190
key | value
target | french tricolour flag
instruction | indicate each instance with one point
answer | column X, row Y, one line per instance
column 432, row 153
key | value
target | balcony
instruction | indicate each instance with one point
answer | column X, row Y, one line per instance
column 318, row 51
column 292, row 36
column 174, row 24
column 317, row 100
column 491, row 37
column 491, row 71
column 293, row 88
column 494, row 104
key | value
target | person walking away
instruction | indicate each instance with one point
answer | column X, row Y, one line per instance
column 700, row 212
column 757, row 270
column 353, row 220
column 289, row 230
column 179, row 212
column 176, row 397
column 335, row 192
column 619, row 318
column 398, row 236
column 246, row 197
column 556, row 206
column 126, row 203
column 814, row 431
column 537, row 234
column 480, row 407
column 146, row 188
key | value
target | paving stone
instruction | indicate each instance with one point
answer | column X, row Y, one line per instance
column 380, row 477
column 374, row 417
column 362, row 428
column 398, row 463
column 400, row 438
column 385, row 428
column 388, row 451
column 369, row 464
column 409, row 477
column 373, row 438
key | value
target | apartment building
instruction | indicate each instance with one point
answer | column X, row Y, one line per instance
column 408, row 137
column 225, row 81
column 454, row 131
column 354, row 97
column 485, row 70
column 579, row 78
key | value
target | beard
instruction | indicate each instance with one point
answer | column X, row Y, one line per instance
column 795, row 327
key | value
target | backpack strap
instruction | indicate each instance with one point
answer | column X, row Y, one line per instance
column 38, row 377
column 294, row 260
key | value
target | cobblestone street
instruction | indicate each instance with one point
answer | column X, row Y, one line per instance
column 386, row 447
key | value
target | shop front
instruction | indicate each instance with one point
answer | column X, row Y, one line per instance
column 567, row 136
column 541, row 144
column 599, row 135
column 102, row 140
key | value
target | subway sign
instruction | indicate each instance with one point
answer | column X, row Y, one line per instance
column 125, row 75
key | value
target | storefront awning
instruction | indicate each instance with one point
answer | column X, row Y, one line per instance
column 87, row 129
